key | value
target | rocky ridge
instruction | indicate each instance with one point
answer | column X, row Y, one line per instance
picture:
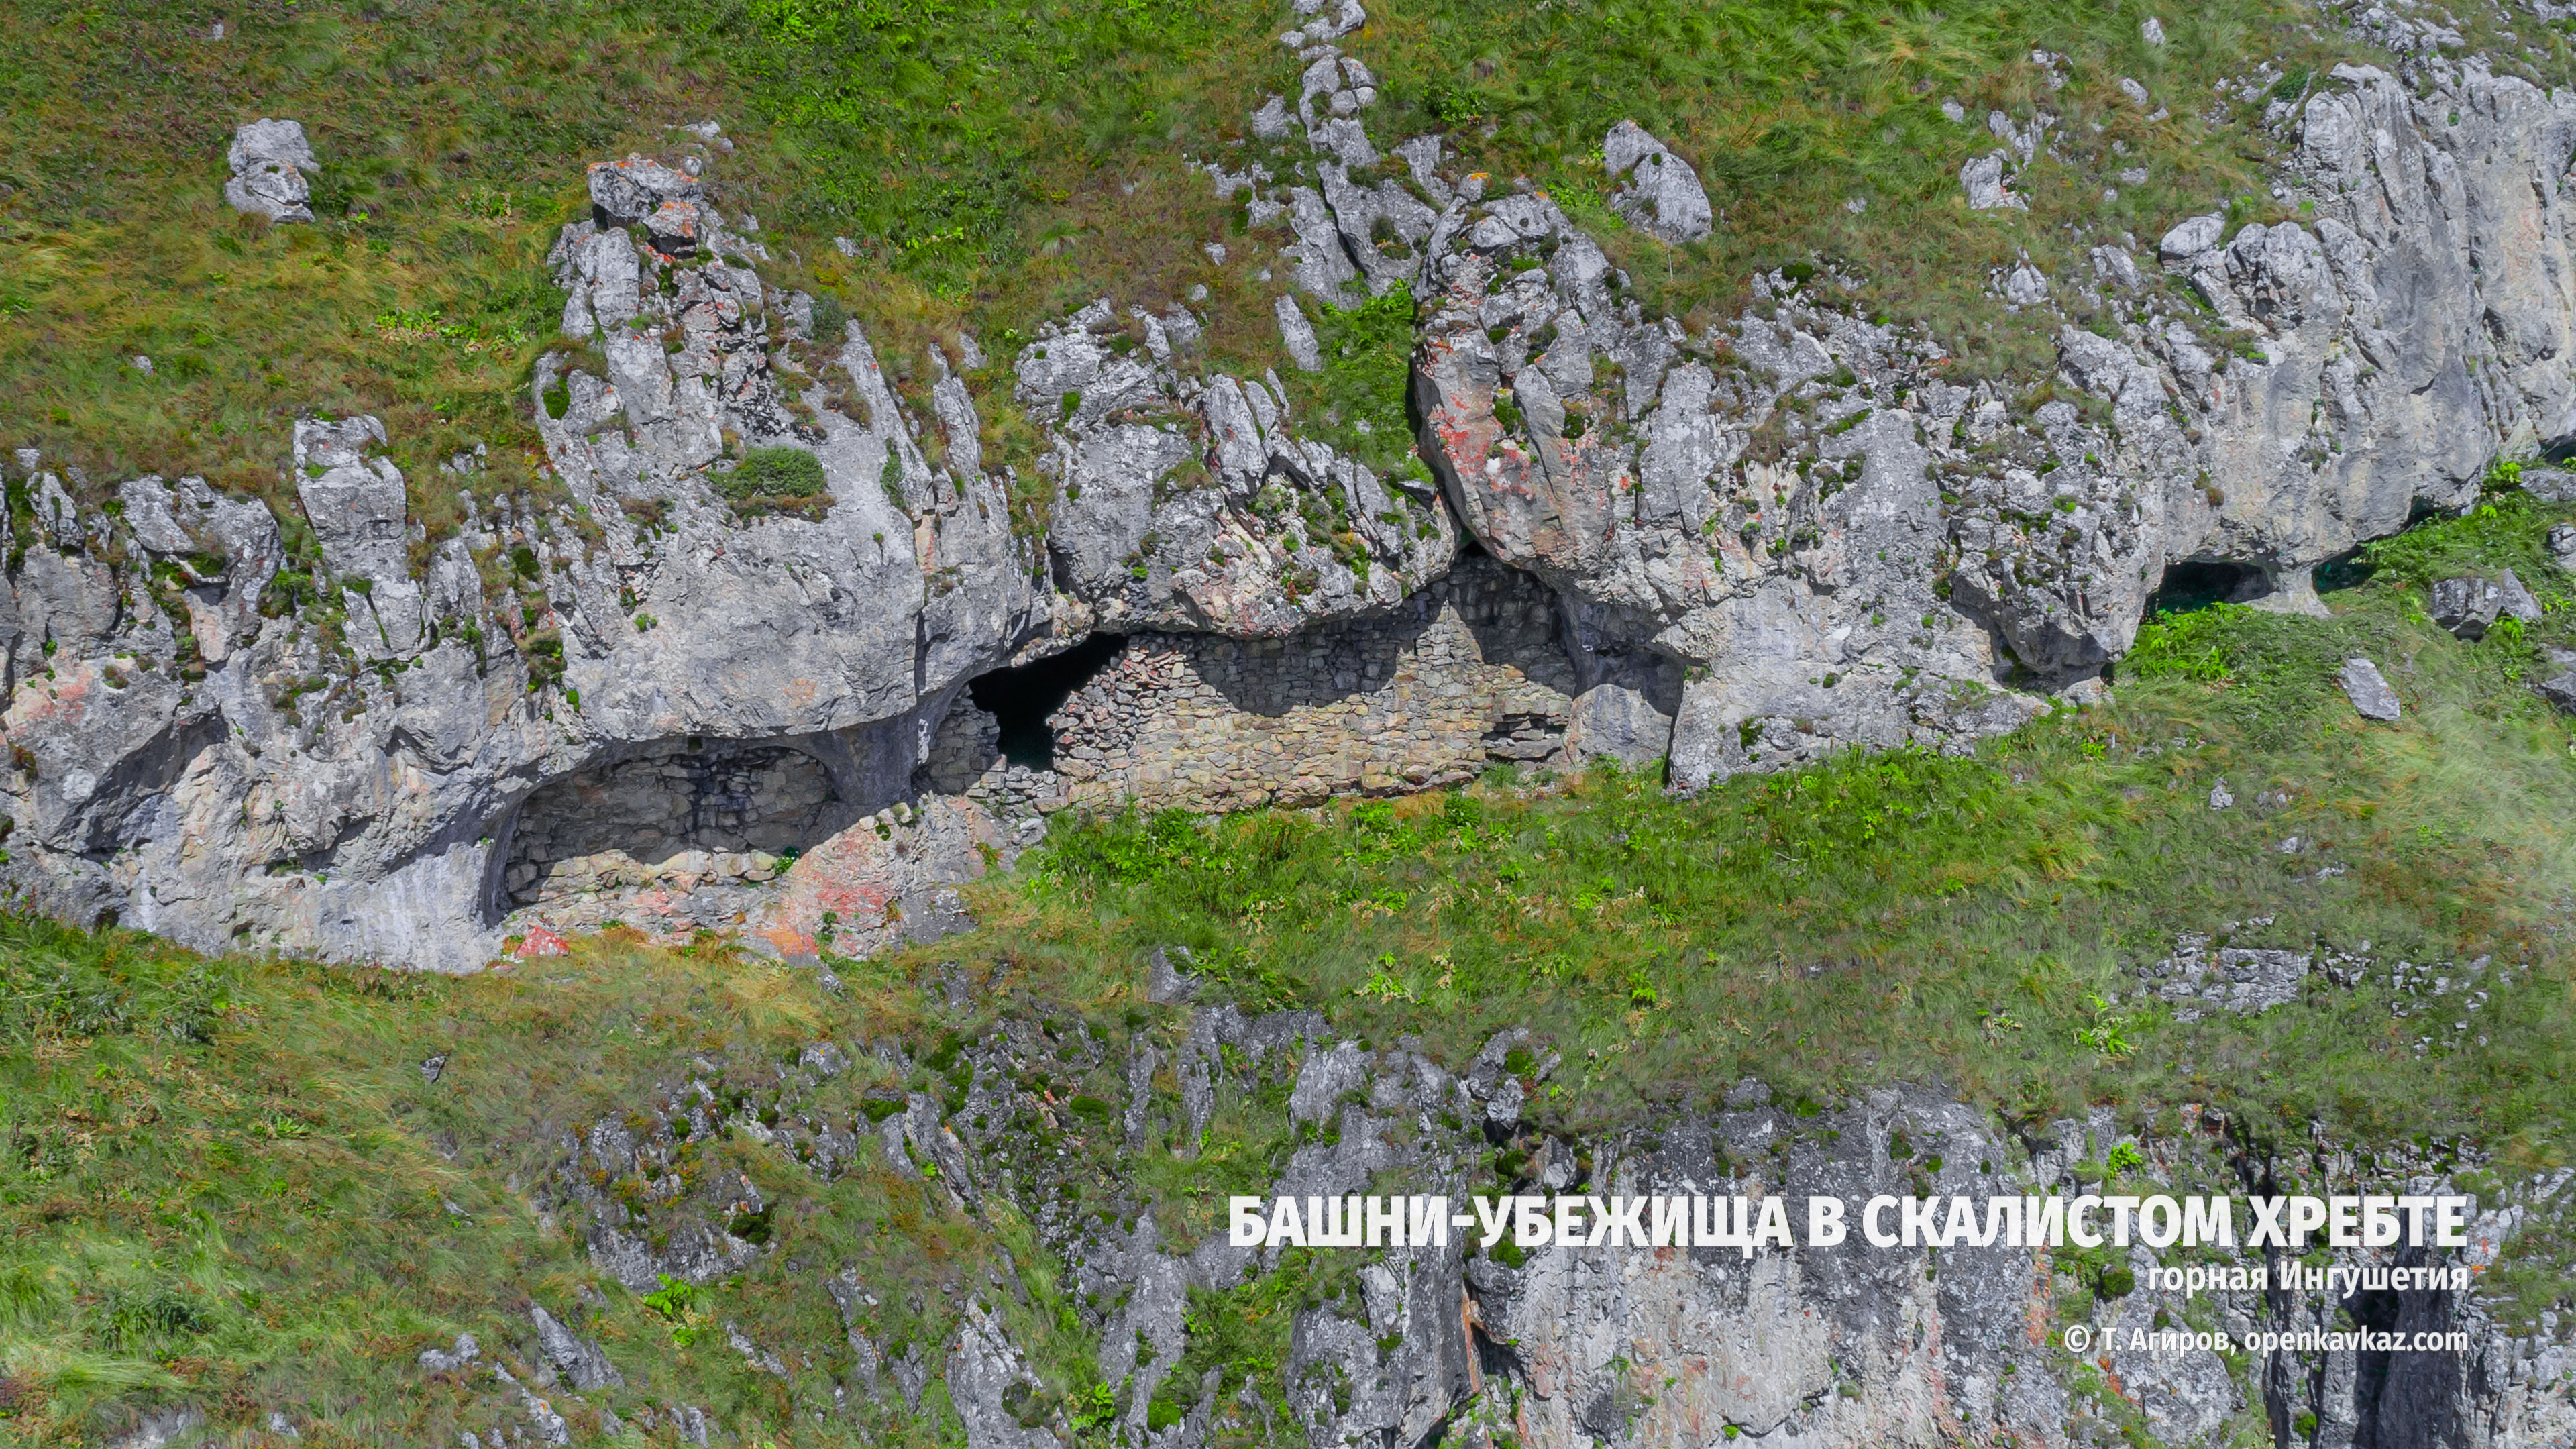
column 1051, row 1121
column 1783, row 535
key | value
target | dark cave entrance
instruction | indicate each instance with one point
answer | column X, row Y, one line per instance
column 2346, row 570
column 1022, row 698
column 2197, row 584
column 674, row 815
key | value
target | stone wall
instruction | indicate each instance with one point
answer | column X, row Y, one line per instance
column 669, row 822
column 1466, row 674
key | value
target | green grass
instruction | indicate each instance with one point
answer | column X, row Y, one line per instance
column 231, row 1183
column 452, row 139
column 1357, row 402
column 995, row 165
column 2508, row 529
column 1790, row 109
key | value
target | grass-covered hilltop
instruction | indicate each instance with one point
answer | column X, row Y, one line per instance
column 715, row 712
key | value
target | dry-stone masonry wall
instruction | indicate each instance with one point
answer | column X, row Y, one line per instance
column 1466, row 674
column 671, row 820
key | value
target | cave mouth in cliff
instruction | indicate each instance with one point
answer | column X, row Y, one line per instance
column 676, row 817
column 2197, row 584
column 1020, row 699
column 2347, row 570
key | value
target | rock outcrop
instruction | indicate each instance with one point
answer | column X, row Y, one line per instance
column 1784, row 1340
column 270, row 161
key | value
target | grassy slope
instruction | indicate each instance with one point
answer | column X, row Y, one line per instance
column 452, row 138
column 1878, row 918
column 993, row 163
column 230, row 1178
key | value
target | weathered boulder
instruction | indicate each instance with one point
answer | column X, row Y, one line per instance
column 2515, row 602
column 1661, row 194
column 2560, row 691
column 1983, row 181
column 2467, row 607
column 269, row 161
column 2369, row 690
column 635, row 190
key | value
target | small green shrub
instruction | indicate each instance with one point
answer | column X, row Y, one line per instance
column 776, row 480
column 778, row 472
column 831, row 319
column 752, row 1227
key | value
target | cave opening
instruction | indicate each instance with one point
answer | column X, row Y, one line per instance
column 673, row 818
column 1020, row 699
column 2199, row 583
column 2349, row 569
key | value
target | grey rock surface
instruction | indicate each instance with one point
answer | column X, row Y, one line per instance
column 1661, row 195
column 2467, row 607
column 444, row 1360
column 2515, row 602
column 2560, row 691
column 162, row 1429
column 1983, row 181
column 270, row 161
column 2245, row 980
column 581, row 1362
column 2369, row 690
column 982, row 1367
column 1217, row 516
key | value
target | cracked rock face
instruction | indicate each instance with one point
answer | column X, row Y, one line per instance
column 1678, row 493
column 1193, row 505
column 2408, row 335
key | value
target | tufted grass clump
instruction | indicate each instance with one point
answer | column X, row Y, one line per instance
column 776, row 480
column 1358, row 401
